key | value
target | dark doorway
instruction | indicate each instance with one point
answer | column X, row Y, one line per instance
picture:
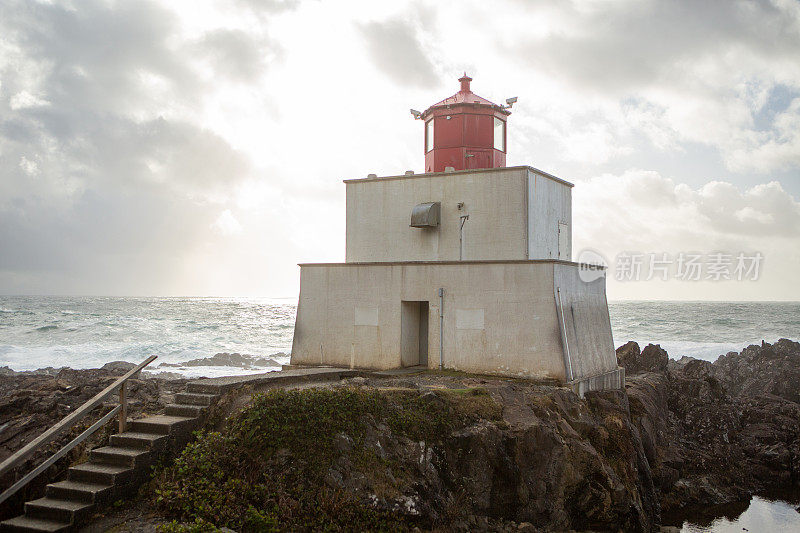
column 414, row 333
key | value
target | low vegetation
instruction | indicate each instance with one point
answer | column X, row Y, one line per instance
column 266, row 470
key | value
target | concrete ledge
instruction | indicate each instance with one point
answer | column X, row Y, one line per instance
column 465, row 171
column 614, row 380
column 224, row 384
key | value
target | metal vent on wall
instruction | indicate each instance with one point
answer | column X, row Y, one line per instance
column 425, row 215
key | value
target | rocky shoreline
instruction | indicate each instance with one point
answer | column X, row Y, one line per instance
column 684, row 434
column 715, row 433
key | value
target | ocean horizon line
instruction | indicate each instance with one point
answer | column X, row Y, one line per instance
column 262, row 297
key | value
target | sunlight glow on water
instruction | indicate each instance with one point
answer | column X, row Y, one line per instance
column 760, row 515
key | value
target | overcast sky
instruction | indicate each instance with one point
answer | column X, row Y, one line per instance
column 198, row 148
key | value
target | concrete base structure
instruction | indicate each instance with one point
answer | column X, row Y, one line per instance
column 466, row 270
column 524, row 318
column 610, row 380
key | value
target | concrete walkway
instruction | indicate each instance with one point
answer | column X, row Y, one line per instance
column 224, row 384
column 291, row 376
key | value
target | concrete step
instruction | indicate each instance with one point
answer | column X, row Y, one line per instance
column 58, row 510
column 117, row 455
column 79, row 491
column 26, row 523
column 199, row 387
column 100, row 473
column 162, row 424
column 154, row 442
column 176, row 409
column 195, row 398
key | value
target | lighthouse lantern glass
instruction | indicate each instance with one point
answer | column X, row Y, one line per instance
column 499, row 135
column 429, row 135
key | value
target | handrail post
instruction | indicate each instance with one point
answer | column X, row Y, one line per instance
column 123, row 412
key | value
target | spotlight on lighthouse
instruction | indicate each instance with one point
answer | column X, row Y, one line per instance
column 417, row 114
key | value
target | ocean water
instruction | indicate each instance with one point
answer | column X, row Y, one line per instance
column 38, row 332
column 704, row 330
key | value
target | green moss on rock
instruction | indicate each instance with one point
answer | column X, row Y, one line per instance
column 269, row 468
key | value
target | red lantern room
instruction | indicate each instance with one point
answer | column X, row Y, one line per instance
column 465, row 131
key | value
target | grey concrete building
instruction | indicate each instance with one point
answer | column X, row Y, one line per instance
column 484, row 284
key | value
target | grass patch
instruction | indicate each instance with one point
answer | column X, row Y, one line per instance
column 266, row 470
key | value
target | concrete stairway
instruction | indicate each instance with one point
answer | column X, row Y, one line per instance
column 115, row 470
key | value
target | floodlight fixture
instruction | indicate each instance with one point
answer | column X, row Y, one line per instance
column 510, row 102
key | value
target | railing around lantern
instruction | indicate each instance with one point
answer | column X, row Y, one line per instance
column 66, row 423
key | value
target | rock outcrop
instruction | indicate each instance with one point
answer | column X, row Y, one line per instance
column 652, row 359
column 682, row 437
column 235, row 360
column 719, row 432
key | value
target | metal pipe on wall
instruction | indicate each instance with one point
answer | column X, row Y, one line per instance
column 441, row 328
column 464, row 218
column 564, row 339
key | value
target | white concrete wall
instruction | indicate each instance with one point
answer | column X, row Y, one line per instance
column 499, row 317
column 549, row 203
column 496, row 200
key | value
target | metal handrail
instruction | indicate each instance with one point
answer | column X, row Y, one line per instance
column 66, row 423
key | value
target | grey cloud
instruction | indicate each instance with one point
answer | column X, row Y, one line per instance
column 271, row 6
column 97, row 54
column 396, row 51
column 108, row 189
column 620, row 46
column 679, row 72
column 236, row 55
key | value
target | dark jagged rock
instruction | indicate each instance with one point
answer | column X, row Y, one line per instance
column 719, row 432
column 118, row 366
column 629, row 357
column 235, row 360
column 652, row 359
column 767, row 369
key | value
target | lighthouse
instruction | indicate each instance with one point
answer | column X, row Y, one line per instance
column 466, row 266
column 465, row 131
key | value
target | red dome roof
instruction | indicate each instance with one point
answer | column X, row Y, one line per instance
column 466, row 96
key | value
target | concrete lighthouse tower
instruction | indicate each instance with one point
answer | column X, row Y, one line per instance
column 465, row 132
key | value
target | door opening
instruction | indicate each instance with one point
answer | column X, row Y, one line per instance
column 564, row 253
column 414, row 333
